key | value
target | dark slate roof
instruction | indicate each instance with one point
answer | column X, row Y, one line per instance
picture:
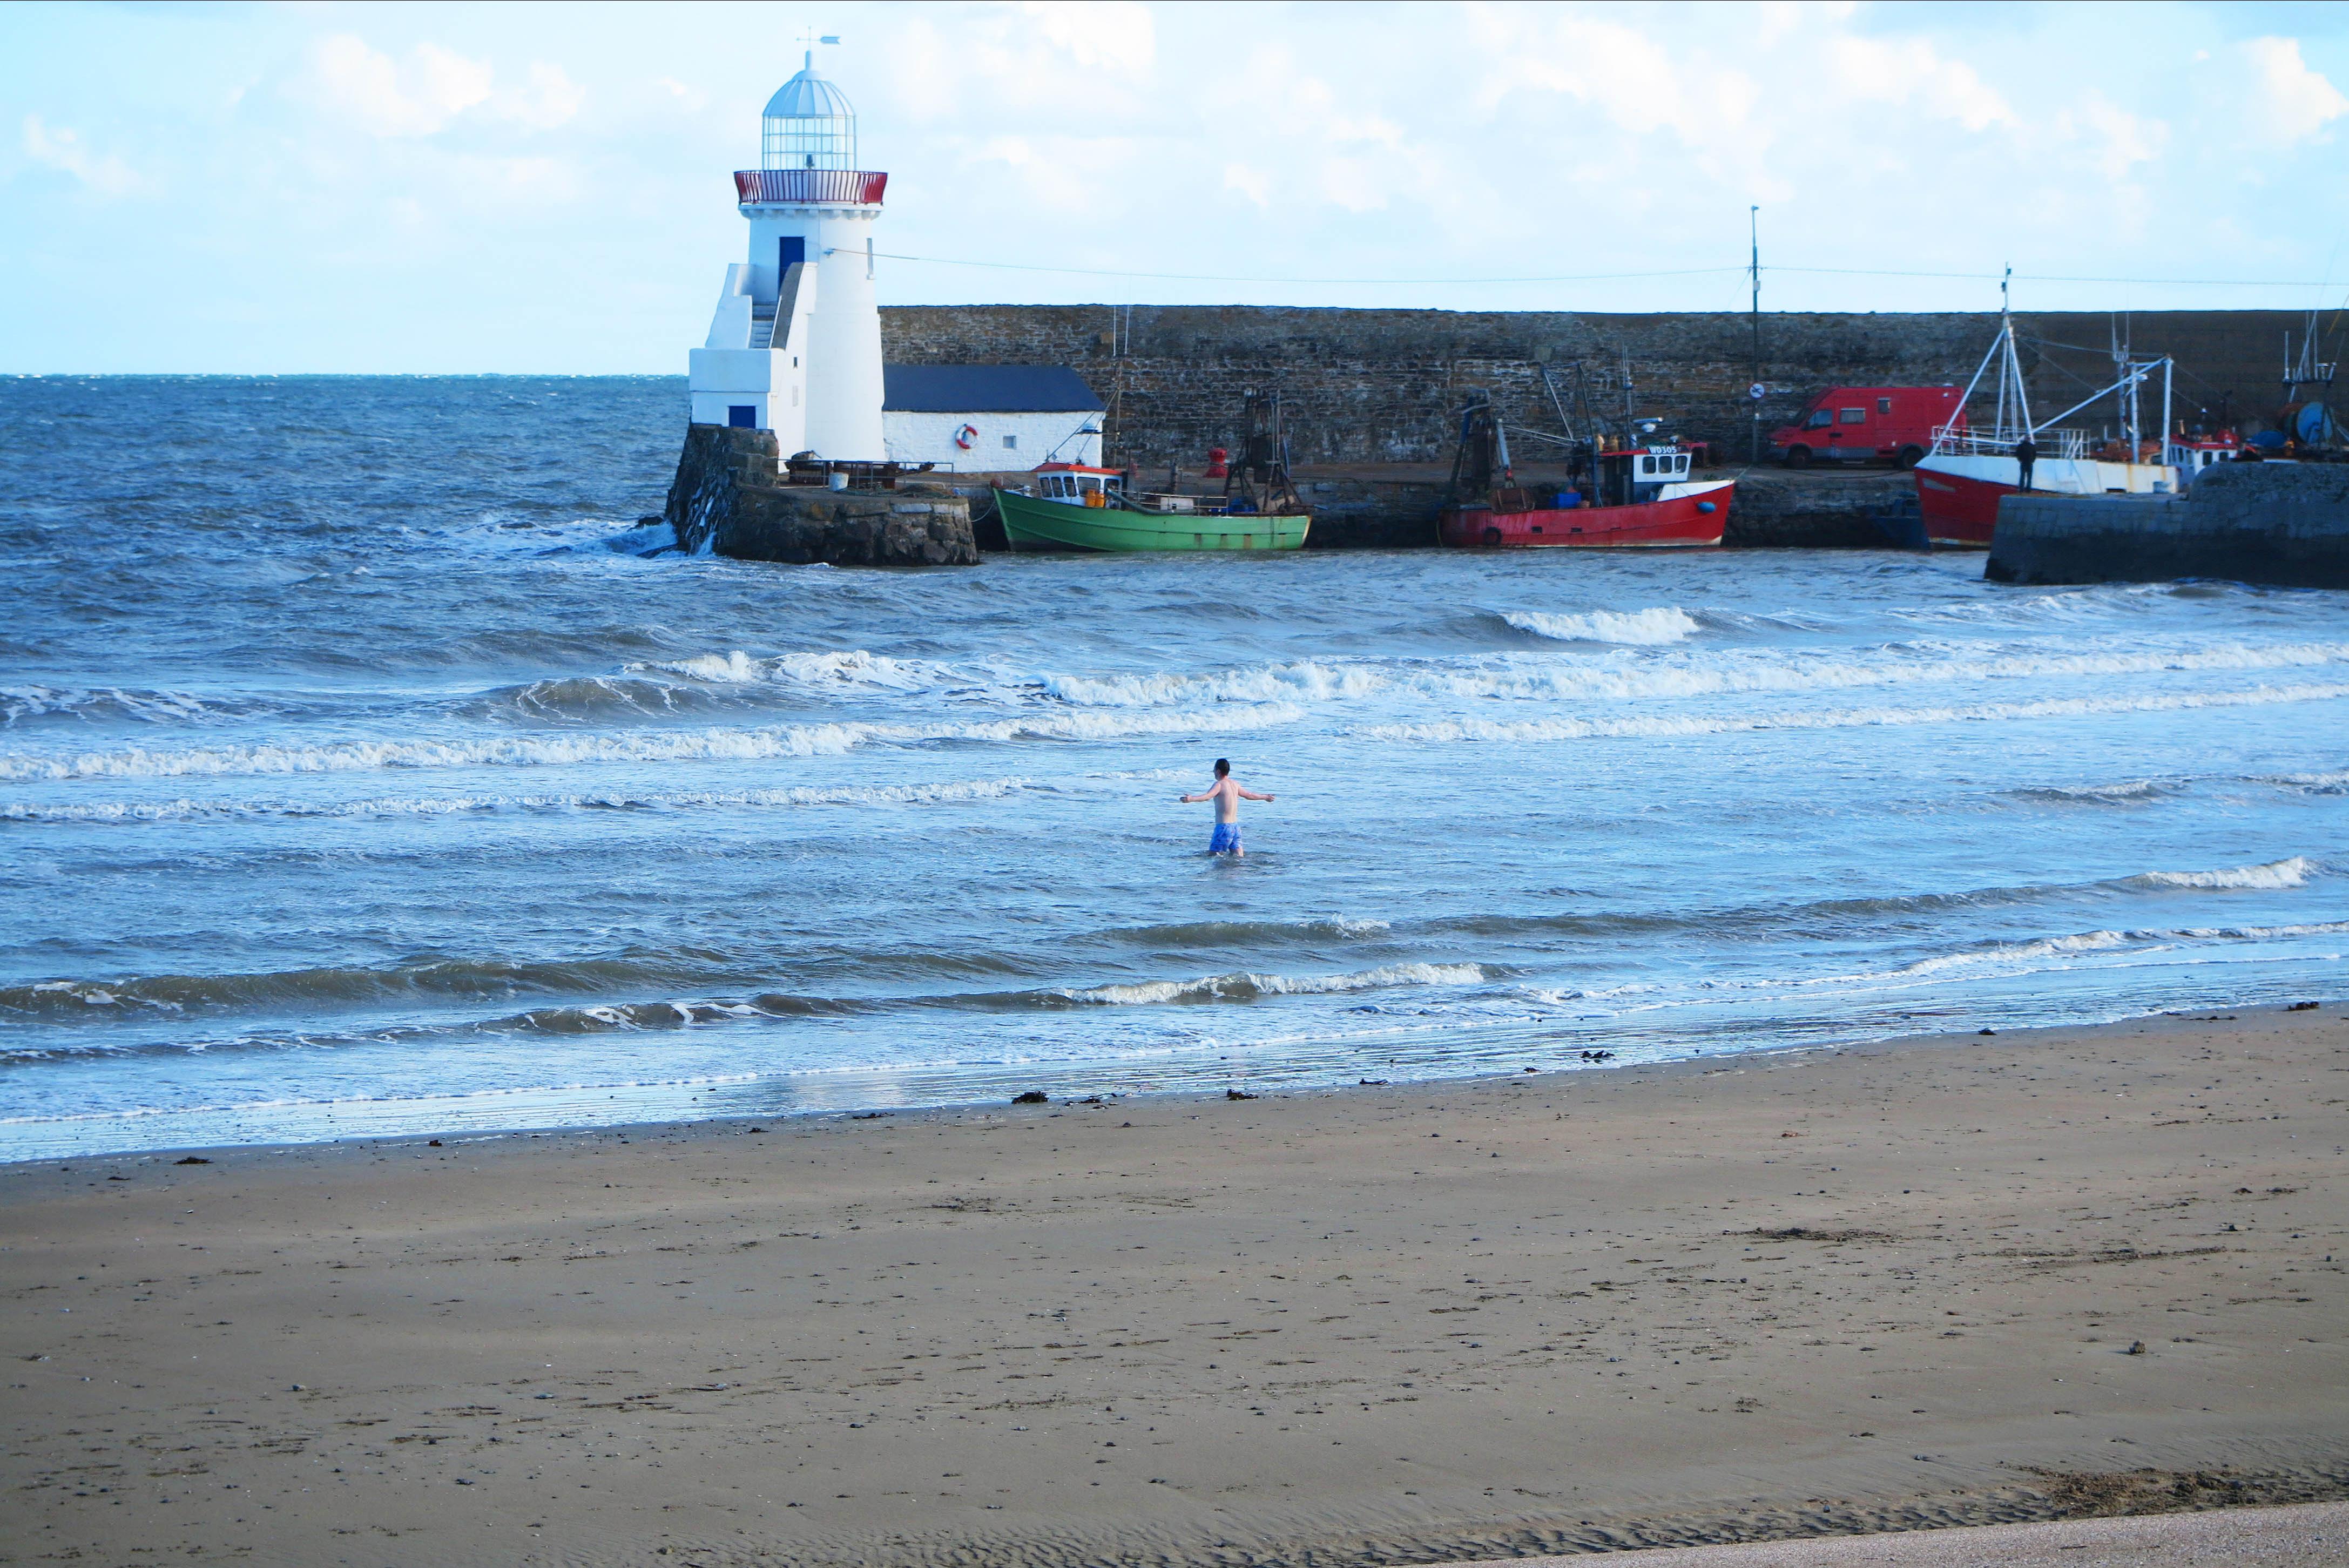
column 987, row 389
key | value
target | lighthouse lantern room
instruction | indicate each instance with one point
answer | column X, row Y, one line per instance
column 795, row 344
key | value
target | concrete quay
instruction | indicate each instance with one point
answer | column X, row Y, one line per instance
column 2281, row 524
column 1392, row 506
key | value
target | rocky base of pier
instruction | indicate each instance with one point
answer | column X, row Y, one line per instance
column 2281, row 524
column 729, row 499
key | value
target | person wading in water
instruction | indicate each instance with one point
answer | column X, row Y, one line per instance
column 2026, row 452
column 1228, row 795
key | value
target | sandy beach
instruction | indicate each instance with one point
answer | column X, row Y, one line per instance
column 1959, row 1281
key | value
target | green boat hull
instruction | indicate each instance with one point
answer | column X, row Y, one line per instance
column 1032, row 524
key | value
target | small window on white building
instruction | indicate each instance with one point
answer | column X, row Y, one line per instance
column 1011, row 442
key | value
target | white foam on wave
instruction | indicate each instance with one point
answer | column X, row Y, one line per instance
column 660, row 745
column 2102, row 794
column 2292, row 873
column 851, row 667
column 22, row 702
column 1242, row 985
column 1552, row 677
column 2315, row 783
column 1638, row 628
column 2097, row 601
column 1665, row 724
column 1310, row 681
column 452, row 805
column 2016, row 953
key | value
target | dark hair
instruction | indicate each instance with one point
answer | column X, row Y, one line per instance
column 1223, row 766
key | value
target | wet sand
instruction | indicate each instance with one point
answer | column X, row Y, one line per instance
column 1937, row 1283
column 2305, row 1535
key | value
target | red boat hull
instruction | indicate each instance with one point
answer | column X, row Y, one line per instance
column 1689, row 522
column 1959, row 512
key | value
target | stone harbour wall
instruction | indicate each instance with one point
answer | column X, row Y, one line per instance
column 728, row 499
column 1385, row 386
column 2284, row 524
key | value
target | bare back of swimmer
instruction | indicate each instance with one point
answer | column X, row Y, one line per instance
column 1227, row 793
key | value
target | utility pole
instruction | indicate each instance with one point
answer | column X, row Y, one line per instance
column 1754, row 233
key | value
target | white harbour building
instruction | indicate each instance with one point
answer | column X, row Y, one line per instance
column 794, row 346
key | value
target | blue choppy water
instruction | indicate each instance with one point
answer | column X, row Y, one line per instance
column 358, row 774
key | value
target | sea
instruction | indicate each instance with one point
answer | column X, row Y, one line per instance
column 368, row 768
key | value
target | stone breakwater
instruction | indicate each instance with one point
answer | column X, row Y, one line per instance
column 729, row 499
column 1386, row 386
column 2282, row 524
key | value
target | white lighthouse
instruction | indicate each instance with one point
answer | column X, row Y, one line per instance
column 795, row 345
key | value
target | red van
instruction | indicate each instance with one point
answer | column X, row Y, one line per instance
column 1869, row 423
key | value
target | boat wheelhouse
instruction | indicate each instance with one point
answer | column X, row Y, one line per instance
column 2191, row 455
column 1079, row 484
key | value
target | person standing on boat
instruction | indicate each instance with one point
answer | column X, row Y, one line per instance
column 2026, row 452
column 1227, row 793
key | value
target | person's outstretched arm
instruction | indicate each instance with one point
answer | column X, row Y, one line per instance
column 1252, row 795
column 1194, row 800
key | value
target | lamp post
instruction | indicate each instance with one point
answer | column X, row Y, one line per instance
column 1754, row 234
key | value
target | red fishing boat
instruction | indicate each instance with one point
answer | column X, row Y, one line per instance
column 1960, row 481
column 1624, row 490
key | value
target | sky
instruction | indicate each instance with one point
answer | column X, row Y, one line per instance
column 543, row 189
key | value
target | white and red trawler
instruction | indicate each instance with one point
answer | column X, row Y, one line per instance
column 1958, row 482
column 1626, row 490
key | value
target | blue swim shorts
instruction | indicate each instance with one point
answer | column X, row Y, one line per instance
column 1226, row 839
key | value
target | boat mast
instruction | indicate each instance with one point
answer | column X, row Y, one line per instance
column 2009, row 372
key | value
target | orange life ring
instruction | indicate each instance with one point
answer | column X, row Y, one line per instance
column 966, row 436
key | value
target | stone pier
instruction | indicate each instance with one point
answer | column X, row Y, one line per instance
column 729, row 499
column 2282, row 524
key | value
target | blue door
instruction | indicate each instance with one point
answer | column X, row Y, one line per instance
column 792, row 250
column 742, row 416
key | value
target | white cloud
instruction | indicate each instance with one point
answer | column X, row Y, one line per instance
column 431, row 89
column 693, row 100
column 63, row 149
column 1118, row 35
column 1253, row 184
column 1912, row 71
column 2120, row 141
column 550, row 99
column 2289, row 101
column 497, row 183
column 387, row 98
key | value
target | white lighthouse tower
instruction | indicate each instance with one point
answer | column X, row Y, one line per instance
column 795, row 345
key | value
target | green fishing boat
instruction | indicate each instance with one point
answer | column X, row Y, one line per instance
column 1076, row 507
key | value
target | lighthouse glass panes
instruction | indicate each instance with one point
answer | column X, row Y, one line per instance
column 809, row 140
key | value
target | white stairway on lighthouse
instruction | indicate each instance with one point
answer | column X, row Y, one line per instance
column 795, row 344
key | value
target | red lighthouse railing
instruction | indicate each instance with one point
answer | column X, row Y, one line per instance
column 811, row 187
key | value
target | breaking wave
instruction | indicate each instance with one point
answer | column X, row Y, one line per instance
column 23, row 703
column 1241, row 986
column 2313, row 783
column 2276, row 875
column 852, row 668
column 2095, row 794
column 452, row 805
column 1550, row 729
column 555, row 751
column 1637, row 628
column 1562, row 677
